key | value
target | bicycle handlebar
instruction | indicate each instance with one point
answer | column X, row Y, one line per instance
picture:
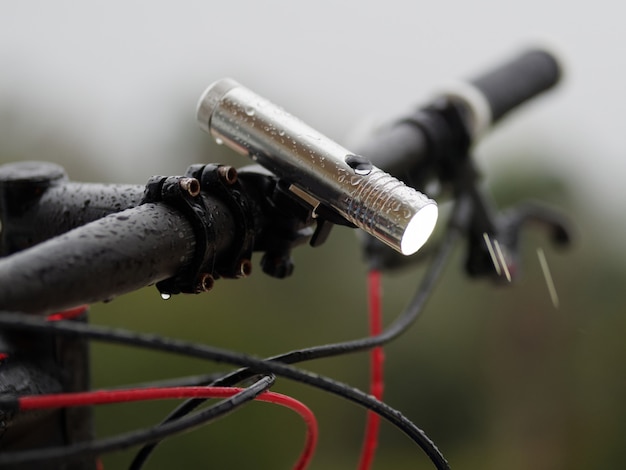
column 113, row 255
column 408, row 147
column 518, row 80
column 150, row 242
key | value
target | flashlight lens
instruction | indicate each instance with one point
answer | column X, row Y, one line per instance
column 419, row 229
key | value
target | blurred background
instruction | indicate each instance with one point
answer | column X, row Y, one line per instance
column 498, row 377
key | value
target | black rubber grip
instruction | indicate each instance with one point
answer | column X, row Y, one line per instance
column 518, row 80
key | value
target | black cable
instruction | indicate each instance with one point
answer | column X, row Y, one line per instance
column 395, row 329
column 124, row 441
column 180, row 411
column 154, row 342
column 401, row 324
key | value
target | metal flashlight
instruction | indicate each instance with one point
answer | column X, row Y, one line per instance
column 319, row 170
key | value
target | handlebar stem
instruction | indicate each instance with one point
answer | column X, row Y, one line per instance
column 38, row 202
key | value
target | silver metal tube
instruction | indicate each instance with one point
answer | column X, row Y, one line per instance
column 319, row 170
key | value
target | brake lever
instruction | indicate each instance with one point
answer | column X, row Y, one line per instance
column 497, row 254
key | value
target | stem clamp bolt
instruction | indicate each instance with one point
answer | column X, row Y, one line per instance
column 190, row 185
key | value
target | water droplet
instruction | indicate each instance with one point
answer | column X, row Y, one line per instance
column 165, row 296
column 361, row 165
column 249, row 110
column 281, row 132
column 218, row 141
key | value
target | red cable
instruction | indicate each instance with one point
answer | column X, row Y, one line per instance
column 62, row 400
column 377, row 358
column 100, row 397
column 68, row 314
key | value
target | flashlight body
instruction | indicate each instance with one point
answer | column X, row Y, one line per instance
column 317, row 168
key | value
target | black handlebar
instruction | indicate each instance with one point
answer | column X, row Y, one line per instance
column 518, row 80
column 151, row 242
column 116, row 254
column 410, row 147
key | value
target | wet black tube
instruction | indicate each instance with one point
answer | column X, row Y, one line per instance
column 518, row 80
column 113, row 255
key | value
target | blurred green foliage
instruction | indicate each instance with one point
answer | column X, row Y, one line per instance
column 496, row 375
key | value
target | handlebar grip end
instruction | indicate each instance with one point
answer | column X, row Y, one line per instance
column 490, row 96
column 518, row 80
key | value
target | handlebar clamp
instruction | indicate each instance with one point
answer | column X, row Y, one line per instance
column 190, row 194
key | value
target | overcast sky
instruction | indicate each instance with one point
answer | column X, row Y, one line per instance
column 121, row 79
